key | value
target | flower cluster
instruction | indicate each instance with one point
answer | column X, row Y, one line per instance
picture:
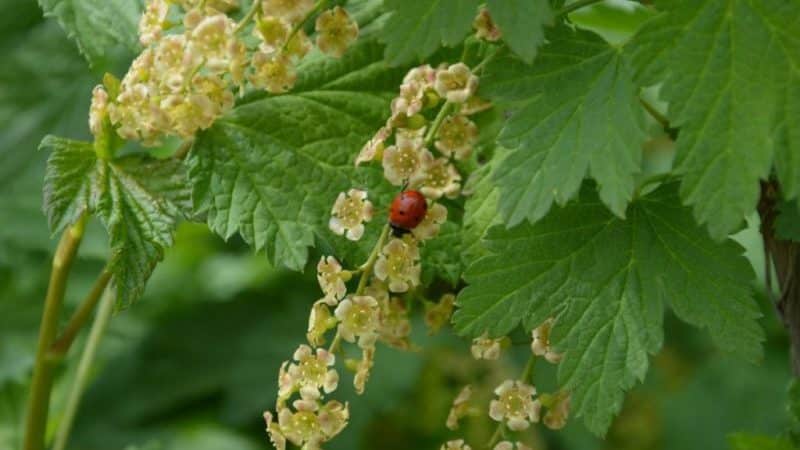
column 195, row 55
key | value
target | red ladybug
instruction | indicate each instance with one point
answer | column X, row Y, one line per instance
column 407, row 211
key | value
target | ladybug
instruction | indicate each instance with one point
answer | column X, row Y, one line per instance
column 407, row 211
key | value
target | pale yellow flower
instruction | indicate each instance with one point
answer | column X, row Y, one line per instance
column 359, row 317
column 151, row 24
column 373, row 149
column 460, row 407
column 558, row 411
column 456, row 137
column 404, row 161
column 272, row 31
column 457, row 444
column 456, row 83
column 363, row 369
column 319, row 322
column 349, row 213
column 485, row 347
column 438, row 314
column 276, row 74
column 332, row 279
column 291, row 11
column 515, row 405
column 429, row 227
column 336, row 30
column 437, row 178
column 98, row 110
column 215, row 42
column 274, row 430
column 395, row 328
column 410, row 100
column 507, row 445
column 540, row 346
column 485, row 28
column 311, row 370
column 398, row 264
column 424, row 76
column 312, row 424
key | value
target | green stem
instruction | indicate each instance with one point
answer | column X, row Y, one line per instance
column 656, row 114
column 42, row 382
column 81, row 315
column 337, row 340
column 437, row 122
column 575, row 6
column 251, row 13
column 370, row 264
column 498, row 434
column 84, row 366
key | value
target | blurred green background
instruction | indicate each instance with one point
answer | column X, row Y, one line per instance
column 193, row 364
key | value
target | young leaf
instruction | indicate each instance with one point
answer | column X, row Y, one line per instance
column 97, row 26
column 272, row 169
column 729, row 71
column 606, row 281
column 139, row 202
column 521, row 22
column 578, row 116
column 417, row 28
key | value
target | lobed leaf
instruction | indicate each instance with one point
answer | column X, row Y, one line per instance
column 521, row 22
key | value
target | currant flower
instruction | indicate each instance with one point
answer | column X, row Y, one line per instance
column 320, row 320
column 438, row 314
column 438, row 178
column 410, row 137
column 151, row 24
column 273, row 32
column 404, row 161
column 456, row 137
column 311, row 370
column 429, row 227
column 289, row 10
column 363, row 369
column 274, row 432
column 336, row 30
column 456, row 83
column 332, row 279
column 486, row 348
column 558, row 411
column 508, row 445
column 312, row 424
column 424, row 76
column 410, row 101
column 214, row 38
column 398, row 264
column 359, row 317
column 98, row 110
column 485, row 28
column 395, row 328
column 541, row 342
column 276, row 74
column 373, row 149
column 349, row 213
column 460, row 407
column 457, row 444
column 515, row 405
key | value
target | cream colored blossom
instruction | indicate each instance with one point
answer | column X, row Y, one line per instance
column 541, row 342
column 272, row 31
column 437, row 178
column 404, row 161
column 456, row 137
column 485, row 347
column 286, row 385
column 274, row 431
column 291, row 11
column 508, row 445
column 410, row 100
column 460, row 407
column 515, row 405
column 332, row 279
column 395, row 328
column 485, row 28
column 311, row 370
column 456, row 83
column 214, row 38
column 363, row 369
column 558, row 411
column 319, row 322
column 373, row 149
column 457, row 444
column 424, row 76
column 398, row 264
column 312, row 423
column 276, row 74
column 429, row 227
column 98, row 110
column 438, row 314
column 349, row 213
column 336, row 30
column 151, row 24
column 359, row 317
column 410, row 137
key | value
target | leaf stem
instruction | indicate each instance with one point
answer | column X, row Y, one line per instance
column 104, row 313
column 660, row 118
column 62, row 344
column 42, row 382
column 575, row 6
column 437, row 122
column 251, row 13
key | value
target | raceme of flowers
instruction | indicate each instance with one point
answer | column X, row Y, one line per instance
column 196, row 56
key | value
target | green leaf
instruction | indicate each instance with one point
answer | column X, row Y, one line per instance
column 98, row 26
column 577, row 116
column 417, row 28
column 521, row 22
column 729, row 70
column 744, row 441
column 480, row 209
column 606, row 281
column 139, row 201
column 272, row 169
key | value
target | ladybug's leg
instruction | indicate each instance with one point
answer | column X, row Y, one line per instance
column 397, row 231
